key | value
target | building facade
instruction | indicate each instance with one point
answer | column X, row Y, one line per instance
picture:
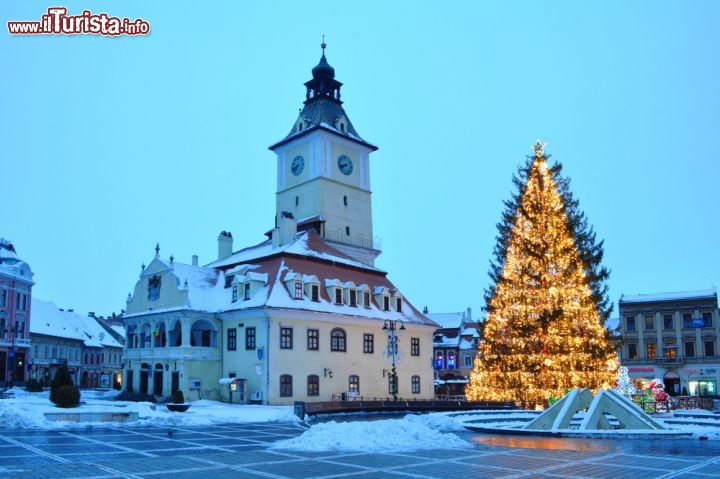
column 82, row 343
column 454, row 348
column 674, row 337
column 304, row 315
column 16, row 282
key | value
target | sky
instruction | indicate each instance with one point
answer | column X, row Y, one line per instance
column 23, row 410
column 113, row 144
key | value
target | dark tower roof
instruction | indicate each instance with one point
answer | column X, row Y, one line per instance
column 323, row 108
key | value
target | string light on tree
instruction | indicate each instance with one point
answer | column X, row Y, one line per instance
column 544, row 331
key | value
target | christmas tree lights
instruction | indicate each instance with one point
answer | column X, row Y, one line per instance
column 543, row 334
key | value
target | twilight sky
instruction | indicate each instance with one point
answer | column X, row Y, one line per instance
column 113, row 144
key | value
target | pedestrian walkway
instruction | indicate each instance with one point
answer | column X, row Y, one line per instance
column 240, row 450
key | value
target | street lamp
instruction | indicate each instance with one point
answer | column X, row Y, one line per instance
column 391, row 327
column 12, row 364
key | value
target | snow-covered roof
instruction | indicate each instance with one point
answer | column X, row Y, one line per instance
column 11, row 265
column 48, row 320
column 447, row 320
column 307, row 244
column 675, row 296
column 307, row 257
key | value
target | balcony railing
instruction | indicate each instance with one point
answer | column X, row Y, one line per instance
column 358, row 241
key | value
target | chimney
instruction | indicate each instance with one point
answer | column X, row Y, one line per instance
column 195, row 259
column 287, row 226
column 225, row 245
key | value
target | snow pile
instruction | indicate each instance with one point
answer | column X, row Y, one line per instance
column 408, row 434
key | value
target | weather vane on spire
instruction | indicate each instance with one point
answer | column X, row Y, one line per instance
column 539, row 148
column 323, row 44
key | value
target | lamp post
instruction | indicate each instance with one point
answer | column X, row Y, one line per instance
column 12, row 364
column 391, row 327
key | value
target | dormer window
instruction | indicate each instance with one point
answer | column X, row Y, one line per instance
column 298, row 290
column 247, row 292
column 366, row 299
column 398, row 305
column 234, row 293
column 353, row 297
column 338, row 296
column 386, row 303
column 154, row 288
column 315, row 296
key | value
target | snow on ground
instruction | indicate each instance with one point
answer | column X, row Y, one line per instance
column 412, row 432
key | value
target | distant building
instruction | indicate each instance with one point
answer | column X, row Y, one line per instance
column 89, row 350
column 302, row 316
column 454, row 348
column 674, row 337
column 15, row 295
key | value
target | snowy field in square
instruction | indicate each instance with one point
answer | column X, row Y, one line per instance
column 24, row 410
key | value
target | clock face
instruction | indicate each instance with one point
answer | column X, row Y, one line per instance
column 297, row 166
column 345, row 165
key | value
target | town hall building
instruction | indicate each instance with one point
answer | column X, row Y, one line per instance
column 303, row 316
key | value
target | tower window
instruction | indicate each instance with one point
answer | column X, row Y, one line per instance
column 347, row 231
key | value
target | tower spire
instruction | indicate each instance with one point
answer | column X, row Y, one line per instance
column 323, row 45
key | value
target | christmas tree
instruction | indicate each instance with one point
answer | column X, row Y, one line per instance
column 544, row 332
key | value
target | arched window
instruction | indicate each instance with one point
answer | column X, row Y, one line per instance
column 338, row 340
column 286, row 385
column 313, row 385
column 354, row 384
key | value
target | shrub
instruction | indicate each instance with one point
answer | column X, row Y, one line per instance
column 67, row 396
column 62, row 378
column 178, row 397
column 33, row 386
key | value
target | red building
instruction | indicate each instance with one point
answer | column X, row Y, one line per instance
column 15, row 294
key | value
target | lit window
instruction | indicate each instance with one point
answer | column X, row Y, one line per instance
column 632, row 351
column 439, row 361
column 451, row 360
column 651, row 353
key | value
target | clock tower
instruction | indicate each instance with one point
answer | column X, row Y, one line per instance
column 323, row 170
